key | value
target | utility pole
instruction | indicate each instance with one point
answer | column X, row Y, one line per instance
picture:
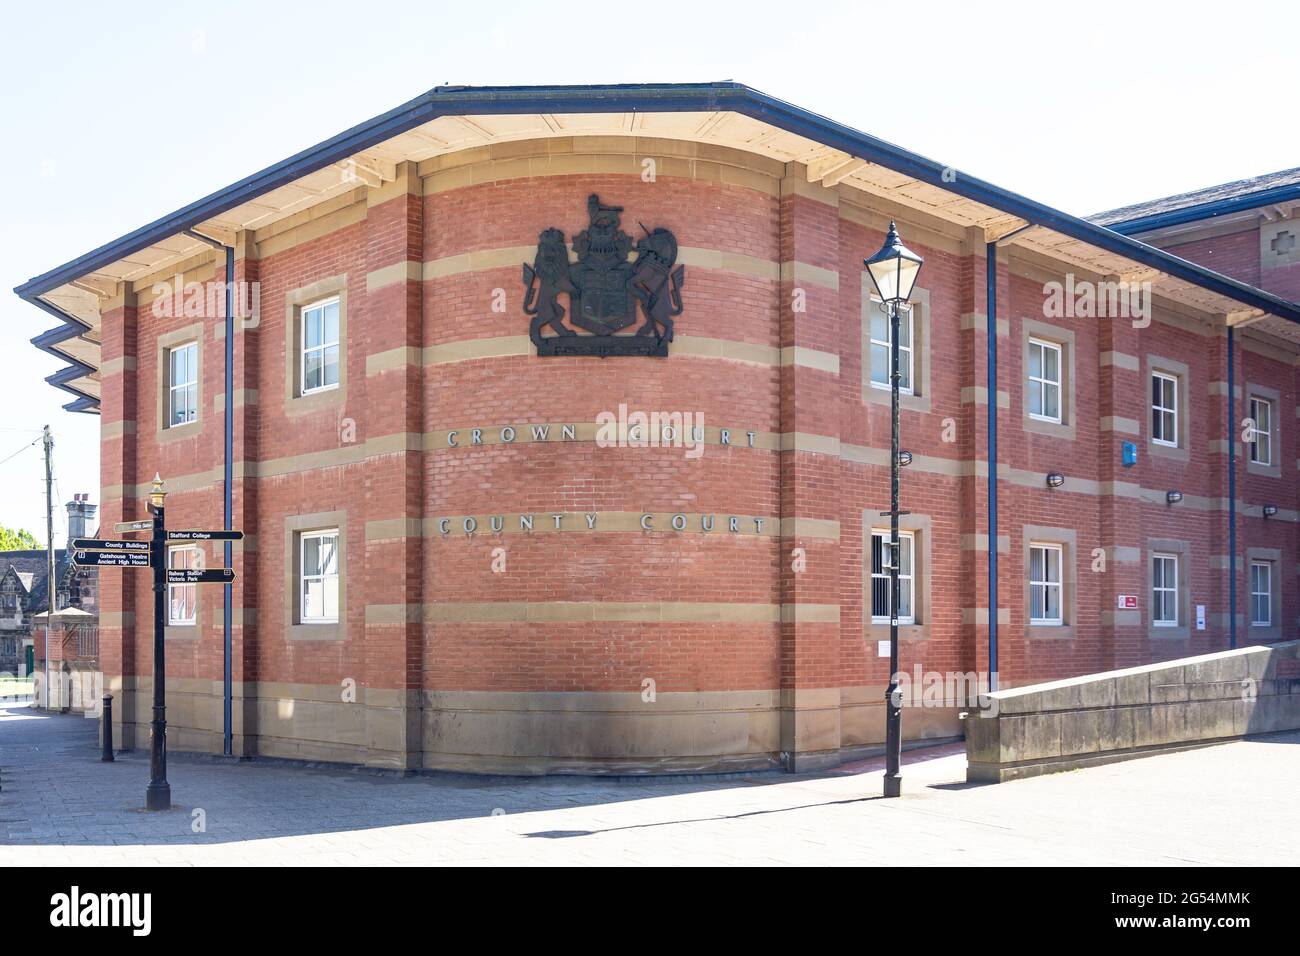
column 51, row 588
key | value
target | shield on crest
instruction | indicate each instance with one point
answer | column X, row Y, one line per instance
column 604, row 305
column 602, row 271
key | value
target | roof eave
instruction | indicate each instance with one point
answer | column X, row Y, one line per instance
column 734, row 97
column 1209, row 210
column 48, row 341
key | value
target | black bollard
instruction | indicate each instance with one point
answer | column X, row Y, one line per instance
column 106, row 718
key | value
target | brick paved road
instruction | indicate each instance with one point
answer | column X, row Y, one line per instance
column 1232, row 804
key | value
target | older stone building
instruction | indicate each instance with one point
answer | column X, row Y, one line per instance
column 624, row 515
column 24, row 593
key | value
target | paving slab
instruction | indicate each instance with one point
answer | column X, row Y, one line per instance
column 1226, row 805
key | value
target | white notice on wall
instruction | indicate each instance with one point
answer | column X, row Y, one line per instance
column 882, row 648
column 1200, row 617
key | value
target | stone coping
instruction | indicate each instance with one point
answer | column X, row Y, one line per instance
column 1134, row 712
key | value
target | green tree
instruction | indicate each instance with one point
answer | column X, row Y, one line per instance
column 20, row 540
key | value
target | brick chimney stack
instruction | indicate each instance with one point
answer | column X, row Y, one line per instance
column 81, row 514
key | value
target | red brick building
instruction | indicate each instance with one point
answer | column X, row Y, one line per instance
column 463, row 554
column 1244, row 229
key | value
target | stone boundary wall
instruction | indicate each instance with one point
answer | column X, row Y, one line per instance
column 1122, row 714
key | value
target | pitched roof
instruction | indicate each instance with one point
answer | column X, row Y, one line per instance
column 453, row 119
column 1261, row 189
column 32, row 569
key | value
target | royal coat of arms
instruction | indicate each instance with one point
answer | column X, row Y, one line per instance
column 605, row 289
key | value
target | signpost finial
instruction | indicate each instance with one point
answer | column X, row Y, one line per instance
column 156, row 493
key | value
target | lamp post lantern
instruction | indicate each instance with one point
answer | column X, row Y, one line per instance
column 893, row 272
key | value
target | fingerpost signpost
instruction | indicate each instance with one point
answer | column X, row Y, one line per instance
column 120, row 553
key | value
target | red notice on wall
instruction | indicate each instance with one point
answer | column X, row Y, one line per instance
column 1127, row 602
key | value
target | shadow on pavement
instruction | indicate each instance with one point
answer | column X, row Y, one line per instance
column 54, row 790
column 562, row 834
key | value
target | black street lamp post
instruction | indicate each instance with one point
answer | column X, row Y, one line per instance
column 158, row 795
column 893, row 272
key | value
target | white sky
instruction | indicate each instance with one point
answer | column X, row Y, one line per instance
column 115, row 114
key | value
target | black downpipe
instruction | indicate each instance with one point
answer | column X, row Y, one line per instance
column 991, row 306
column 227, row 506
column 991, row 278
column 1232, row 492
column 227, row 509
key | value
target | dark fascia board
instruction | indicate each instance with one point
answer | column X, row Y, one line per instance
column 734, row 97
column 49, row 340
column 1207, row 210
column 60, row 354
column 76, row 370
column 84, row 404
column 71, row 327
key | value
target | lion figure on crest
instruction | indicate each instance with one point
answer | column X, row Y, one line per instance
column 545, row 280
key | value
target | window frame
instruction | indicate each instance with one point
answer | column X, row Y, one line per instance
column 1158, row 411
column 909, row 577
column 304, row 577
column 907, row 361
column 191, row 386
column 1041, row 383
column 191, row 589
column 303, row 348
column 1267, row 566
column 1047, row 547
column 1156, row 558
column 1257, row 402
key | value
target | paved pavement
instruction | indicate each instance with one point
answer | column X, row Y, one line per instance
column 1232, row 804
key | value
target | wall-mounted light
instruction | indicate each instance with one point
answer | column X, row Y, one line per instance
column 1173, row 497
column 904, row 459
column 1055, row 479
column 1270, row 510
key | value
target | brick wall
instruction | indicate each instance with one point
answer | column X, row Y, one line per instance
column 1235, row 254
column 376, row 454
